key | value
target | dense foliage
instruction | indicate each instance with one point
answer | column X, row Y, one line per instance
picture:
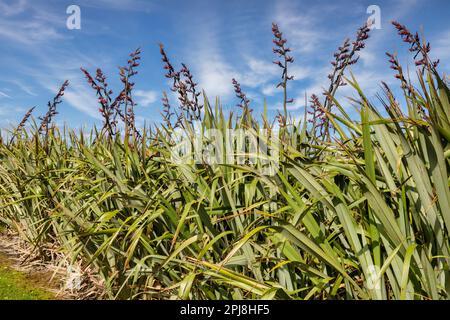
column 359, row 208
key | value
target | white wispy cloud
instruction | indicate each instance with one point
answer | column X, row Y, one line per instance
column 146, row 97
column 22, row 86
column 25, row 24
column 209, row 57
column 259, row 72
column 302, row 25
column 49, row 72
column 122, row 5
column 7, row 111
column 269, row 90
column 12, row 8
column 214, row 73
column 4, row 95
column 82, row 99
column 28, row 32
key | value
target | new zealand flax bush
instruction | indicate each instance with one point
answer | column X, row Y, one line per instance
column 359, row 207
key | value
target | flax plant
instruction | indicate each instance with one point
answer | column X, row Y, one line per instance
column 365, row 215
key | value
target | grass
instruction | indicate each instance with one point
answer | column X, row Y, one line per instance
column 15, row 285
column 359, row 208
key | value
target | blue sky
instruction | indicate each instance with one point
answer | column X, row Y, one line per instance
column 218, row 40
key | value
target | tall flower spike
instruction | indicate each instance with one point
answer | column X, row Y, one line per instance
column 107, row 110
column 281, row 120
column 171, row 73
column 244, row 101
column 345, row 56
column 416, row 45
column 393, row 105
column 51, row 112
column 188, row 105
column 190, row 86
column 126, row 73
column 395, row 65
column 282, row 51
column 22, row 124
column 318, row 116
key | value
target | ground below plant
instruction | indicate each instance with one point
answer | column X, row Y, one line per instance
column 16, row 285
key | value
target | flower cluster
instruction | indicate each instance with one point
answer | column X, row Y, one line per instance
column 341, row 61
column 393, row 105
column 281, row 119
column 318, row 117
column 22, row 124
column 345, row 56
column 185, row 86
column 395, row 65
column 126, row 73
column 167, row 110
column 175, row 76
column 244, row 103
column 282, row 52
column 103, row 93
column 361, row 36
column 171, row 73
column 416, row 45
column 47, row 119
column 111, row 109
column 191, row 87
column 317, row 113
